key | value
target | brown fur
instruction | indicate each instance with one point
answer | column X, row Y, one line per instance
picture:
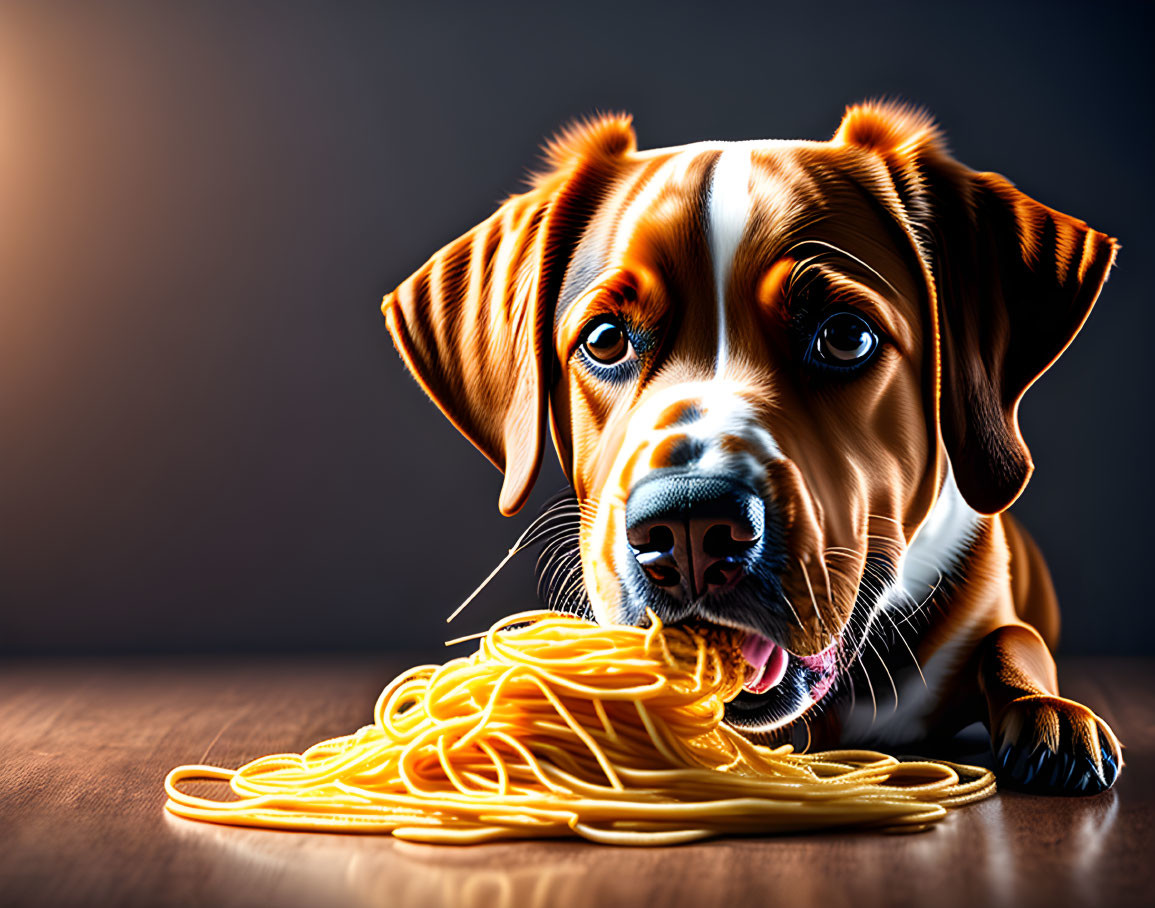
column 977, row 288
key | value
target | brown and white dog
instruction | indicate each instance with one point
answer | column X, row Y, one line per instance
column 783, row 378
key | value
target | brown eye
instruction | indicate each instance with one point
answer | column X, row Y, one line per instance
column 606, row 341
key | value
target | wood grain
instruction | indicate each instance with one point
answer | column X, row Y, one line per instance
column 84, row 747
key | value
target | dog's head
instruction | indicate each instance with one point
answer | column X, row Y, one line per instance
column 763, row 364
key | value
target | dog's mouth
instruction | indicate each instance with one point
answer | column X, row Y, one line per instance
column 780, row 685
column 766, row 663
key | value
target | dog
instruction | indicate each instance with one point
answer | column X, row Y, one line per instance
column 783, row 378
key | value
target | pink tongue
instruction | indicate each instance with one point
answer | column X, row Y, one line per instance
column 767, row 660
column 756, row 649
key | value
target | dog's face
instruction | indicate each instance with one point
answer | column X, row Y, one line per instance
column 757, row 360
column 742, row 390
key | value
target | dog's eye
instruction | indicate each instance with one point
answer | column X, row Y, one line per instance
column 844, row 340
column 606, row 341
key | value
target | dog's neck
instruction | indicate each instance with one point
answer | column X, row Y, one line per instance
column 937, row 545
column 937, row 551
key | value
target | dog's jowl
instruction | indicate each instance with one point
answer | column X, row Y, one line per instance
column 783, row 378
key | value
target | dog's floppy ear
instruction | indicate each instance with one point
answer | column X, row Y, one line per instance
column 474, row 323
column 1014, row 282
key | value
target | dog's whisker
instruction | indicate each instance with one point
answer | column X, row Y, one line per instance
column 882, row 586
column 556, row 575
column 870, row 688
column 559, row 570
column 813, row 599
column 888, row 541
column 929, row 596
column 793, row 610
column 888, row 588
column 574, row 593
column 882, row 662
column 826, row 577
column 530, row 536
column 558, row 534
column 846, row 660
column 913, row 658
column 809, row 736
column 857, row 620
column 902, row 548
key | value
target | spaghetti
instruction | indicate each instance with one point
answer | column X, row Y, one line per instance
column 558, row 727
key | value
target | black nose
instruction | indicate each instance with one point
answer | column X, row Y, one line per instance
column 692, row 532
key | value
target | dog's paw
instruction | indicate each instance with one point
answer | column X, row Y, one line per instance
column 1048, row 745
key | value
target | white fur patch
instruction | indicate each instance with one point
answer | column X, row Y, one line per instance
column 938, row 543
column 728, row 210
column 935, row 550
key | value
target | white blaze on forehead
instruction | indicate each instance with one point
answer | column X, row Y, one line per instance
column 727, row 211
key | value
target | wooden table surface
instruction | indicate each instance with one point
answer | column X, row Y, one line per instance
column 84, row 746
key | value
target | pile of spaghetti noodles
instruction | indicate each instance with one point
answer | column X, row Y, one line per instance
column 560, row 727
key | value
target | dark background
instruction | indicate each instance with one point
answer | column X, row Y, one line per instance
column 208, row 442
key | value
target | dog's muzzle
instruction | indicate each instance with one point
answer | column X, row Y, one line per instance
column 692, row 533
